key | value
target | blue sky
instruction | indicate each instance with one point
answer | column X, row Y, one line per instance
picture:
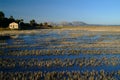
column 89, row 11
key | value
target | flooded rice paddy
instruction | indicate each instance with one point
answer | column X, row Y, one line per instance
column 60, row 55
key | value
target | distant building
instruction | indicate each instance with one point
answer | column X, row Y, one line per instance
column 13, row 25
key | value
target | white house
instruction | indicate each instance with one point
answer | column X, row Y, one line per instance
column 13, row 25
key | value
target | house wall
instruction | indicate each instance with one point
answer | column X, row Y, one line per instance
column 13, row 26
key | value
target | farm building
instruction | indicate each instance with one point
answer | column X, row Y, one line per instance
column 13, row 25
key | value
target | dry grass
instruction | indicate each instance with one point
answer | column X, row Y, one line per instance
column 95, row 28
column 99, row 48
column 86, row 28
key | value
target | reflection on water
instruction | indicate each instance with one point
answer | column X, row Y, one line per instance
column 14, row 36
column 98, row 48
column 4, row 37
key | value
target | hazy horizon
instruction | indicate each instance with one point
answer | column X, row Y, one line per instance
column 88, row 11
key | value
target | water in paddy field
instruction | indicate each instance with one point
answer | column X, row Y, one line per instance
column 61, row 50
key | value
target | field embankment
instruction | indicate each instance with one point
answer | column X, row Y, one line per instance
column 86, row 28
column 95, row 28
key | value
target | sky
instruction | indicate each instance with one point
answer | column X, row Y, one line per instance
column 89, row 11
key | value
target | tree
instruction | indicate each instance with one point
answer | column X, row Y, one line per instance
column 11, row 19
column 46, row 24
column 19, row 21
column 3, row 21
column 2, row 15
column 33, row 22
column 41, row 24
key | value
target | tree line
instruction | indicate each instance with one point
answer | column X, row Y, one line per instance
column 4, row 23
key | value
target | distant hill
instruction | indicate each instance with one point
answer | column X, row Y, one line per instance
column 65, row 23
column 76, row 23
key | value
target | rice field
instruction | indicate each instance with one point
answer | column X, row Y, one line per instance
column 60, row 54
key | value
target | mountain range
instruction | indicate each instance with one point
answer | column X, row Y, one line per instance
column 76, row 23
column 65, row 23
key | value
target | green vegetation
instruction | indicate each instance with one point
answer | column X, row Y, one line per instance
column 4, row 23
